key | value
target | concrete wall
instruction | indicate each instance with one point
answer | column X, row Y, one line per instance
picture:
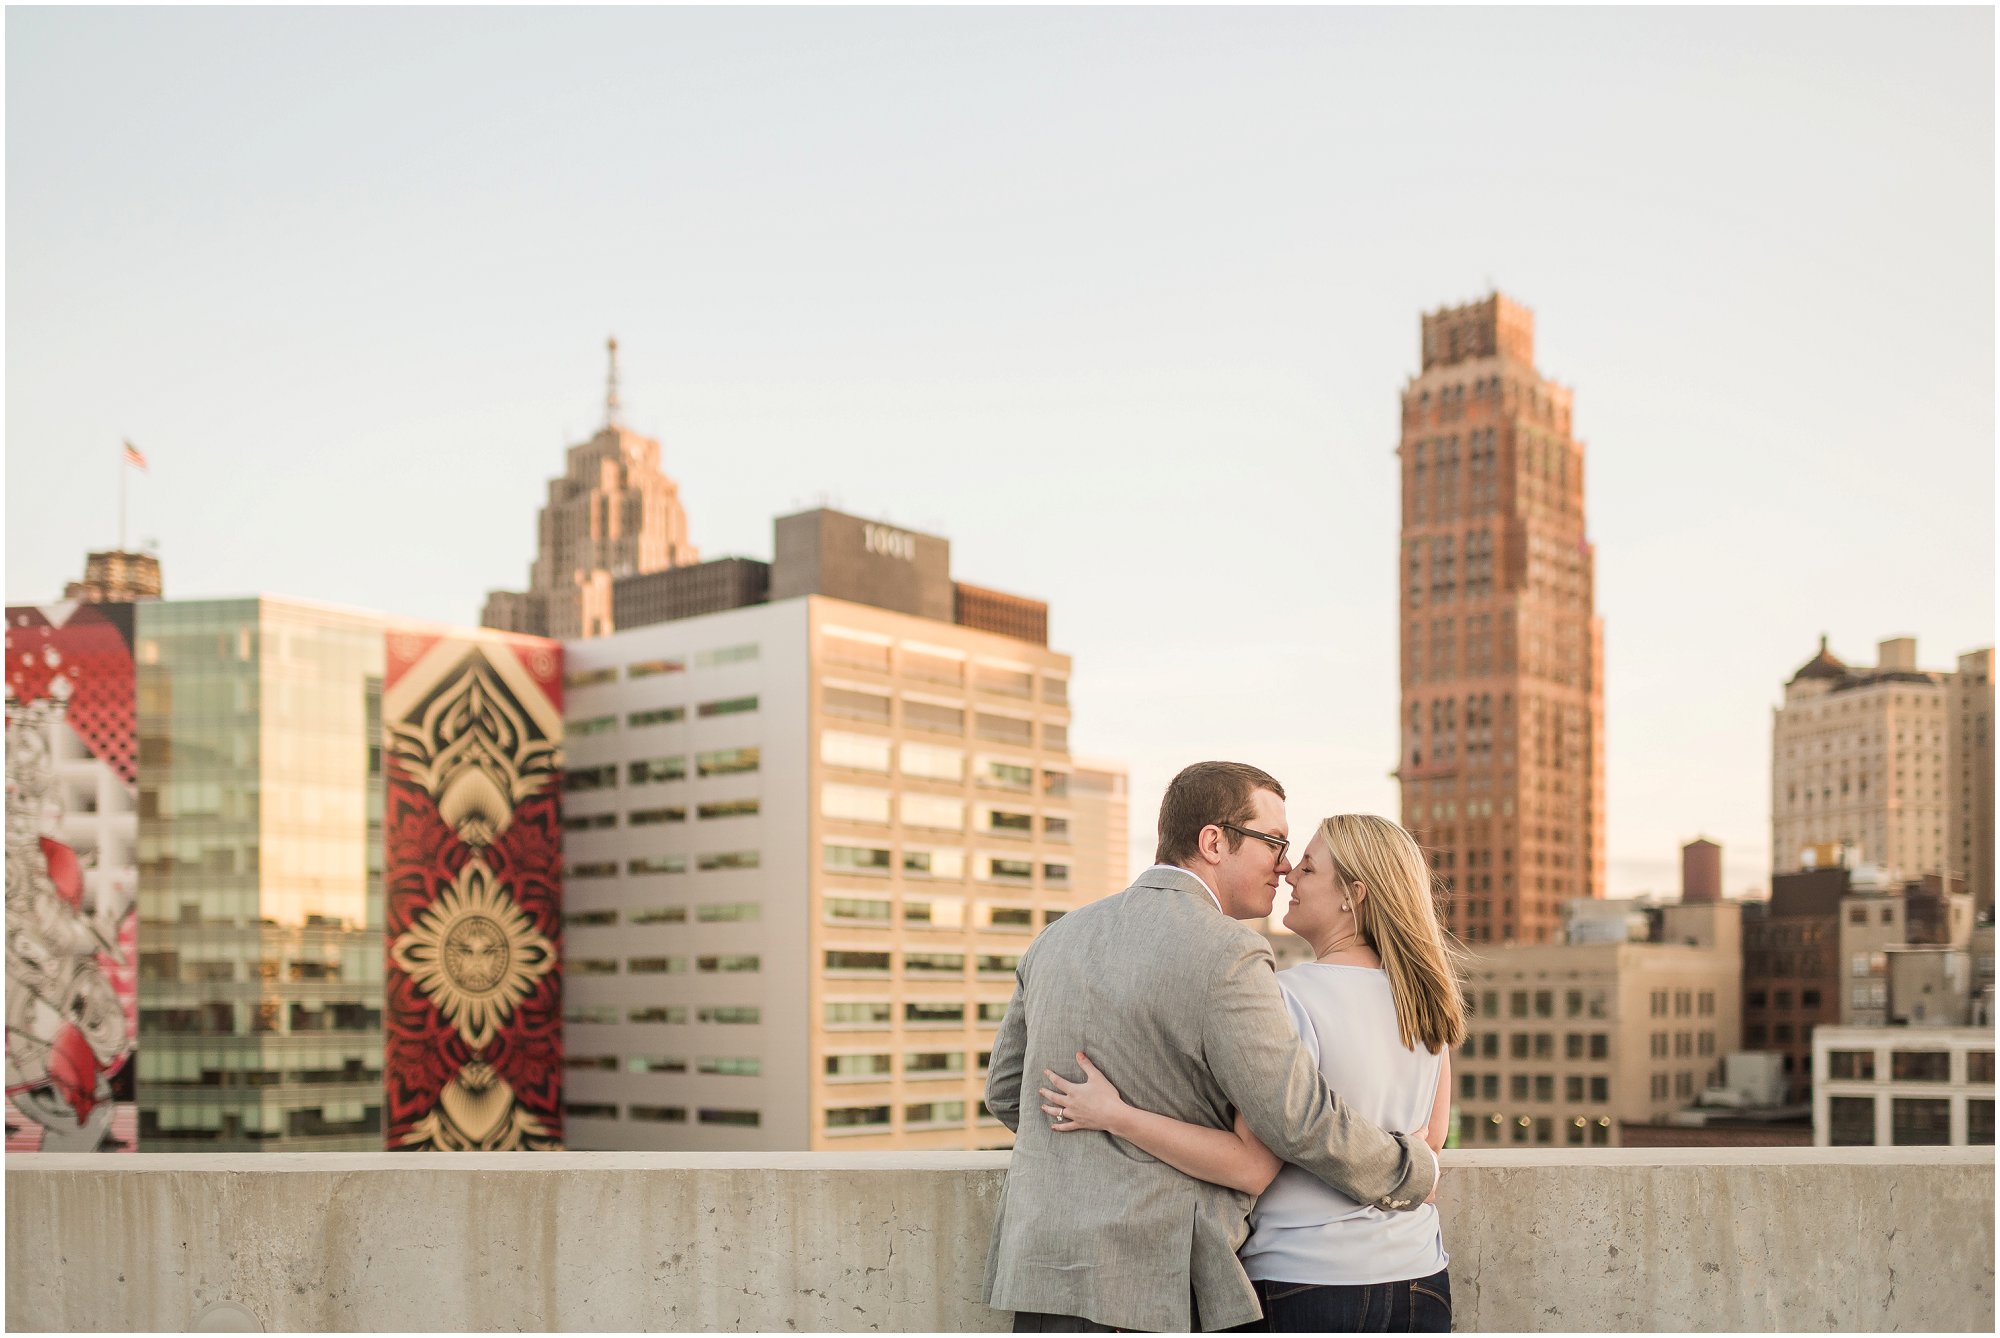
column 1692, row 1239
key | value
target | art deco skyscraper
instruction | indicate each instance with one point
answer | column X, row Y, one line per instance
column 1502, row 718
column 611, row 514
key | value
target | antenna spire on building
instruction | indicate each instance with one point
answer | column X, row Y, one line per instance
column 611, row 385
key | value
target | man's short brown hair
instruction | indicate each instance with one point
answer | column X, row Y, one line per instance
column 1206, row 793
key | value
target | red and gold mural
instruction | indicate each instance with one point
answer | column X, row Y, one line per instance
column 473, row 730
column 72, row 880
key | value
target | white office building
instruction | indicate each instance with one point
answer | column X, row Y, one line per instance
column 806, row 843
column 1903, row 1086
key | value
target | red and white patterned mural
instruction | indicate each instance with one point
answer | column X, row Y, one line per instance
column 72, row 878
column 474, row 879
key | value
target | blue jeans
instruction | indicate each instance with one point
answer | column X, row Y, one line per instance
column 1421, row 1305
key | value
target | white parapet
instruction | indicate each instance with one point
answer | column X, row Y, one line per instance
column 1811, row 1239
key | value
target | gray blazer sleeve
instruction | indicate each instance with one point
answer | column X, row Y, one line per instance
column 1003, row 1074
column 1250, row 1047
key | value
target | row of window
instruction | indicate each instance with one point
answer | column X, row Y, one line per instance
column 1921, row 1121
column 663, row 966
column 1485, row 651
column 947, row 913
column 652, row 770
column 1680, row 1044
column 943, row 913
column 705, row 862
column 659, row 715
column 878, row 861
column 850, row 1119
column 920, row 963
column 930, row 717
column 1865, row 964
column 1685, row 1003
column 927, row 761
column 1576, row 1045
column 876, row 1014
column 191, row 1123
column 855, row 803
column 1534, row 1087
column 706, row 659
column 677, row 1015
column 181, row 1069
column 673, row 813
column 1667, row 1087
column 708, row 913
column 1780, row 999
column 264, row 1016
column 1909, row 1065
column 1756, row 1035
column 170, row 965
column 935, row 664
column 648, row 1114
column 916, row 1064
column 732, row 1066
column 1474, row 808
column 1542, row 1003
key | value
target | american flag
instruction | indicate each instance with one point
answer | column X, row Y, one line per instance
column 132, row 456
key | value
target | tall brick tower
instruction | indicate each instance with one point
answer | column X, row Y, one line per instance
column 1502, row 720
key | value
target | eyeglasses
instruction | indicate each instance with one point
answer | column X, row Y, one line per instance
column 1277, row 843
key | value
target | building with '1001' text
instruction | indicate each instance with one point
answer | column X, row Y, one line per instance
column 814, row 814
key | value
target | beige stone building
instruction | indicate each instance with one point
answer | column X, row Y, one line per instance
column 807, row 841
column 116, row 576
column 1100, row 806
column 1570, row 1041
column 1502, row 710
column 1892, row 762
column 612, row 513
column 1969, row 733
column 1927, row 913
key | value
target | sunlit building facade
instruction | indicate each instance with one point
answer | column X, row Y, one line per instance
column 807, row 841
column 260, row 876
column 1969, row 786
column 1860, row 759
column 1567, row 1043
column 1502, row 711
column 1100, row 799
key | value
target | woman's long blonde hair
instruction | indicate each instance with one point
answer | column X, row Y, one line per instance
column 1398, row 918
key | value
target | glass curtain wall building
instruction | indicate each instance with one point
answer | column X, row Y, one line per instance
column 260, row 890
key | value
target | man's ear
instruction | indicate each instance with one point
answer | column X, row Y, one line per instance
column 1210, row 849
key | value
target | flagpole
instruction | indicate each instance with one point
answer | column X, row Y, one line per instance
column 122, row 471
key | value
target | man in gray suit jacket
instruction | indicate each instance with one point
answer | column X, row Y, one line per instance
column 1178, row 1005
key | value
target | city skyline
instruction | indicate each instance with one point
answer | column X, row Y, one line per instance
column 1056, row 306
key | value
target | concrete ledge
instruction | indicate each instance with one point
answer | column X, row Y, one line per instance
column 1811, row 1239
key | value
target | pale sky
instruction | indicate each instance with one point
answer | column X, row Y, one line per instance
column 1119, row 301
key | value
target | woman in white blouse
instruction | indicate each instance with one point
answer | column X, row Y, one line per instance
column 1380, row 1011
